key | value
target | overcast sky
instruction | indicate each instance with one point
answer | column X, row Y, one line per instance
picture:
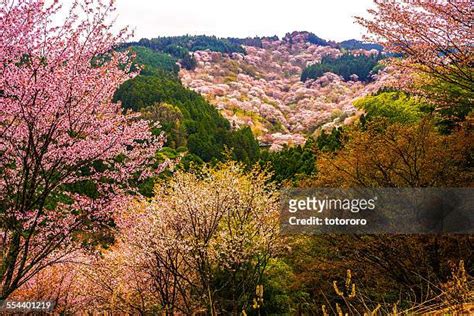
column 330, row 19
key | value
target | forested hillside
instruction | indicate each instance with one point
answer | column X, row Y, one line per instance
column 195, row 128
column 181, row 46
column 348, row 66
column 190, row 123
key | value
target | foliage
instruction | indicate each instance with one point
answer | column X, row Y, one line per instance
column 248, row 41
column 298, row 164
column 245, row 148
column 452, row 104
column 181, row 46
column 395, row 106
column 170, row 118
column 148, row 90
column 345, row 66
column 399, row 155
column 330, row 142
column 435, row 39
column 154, row 60
column 291, row 163
column 278, row 296
column 313, row 39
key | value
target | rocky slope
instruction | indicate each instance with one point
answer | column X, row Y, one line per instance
column 262, row 89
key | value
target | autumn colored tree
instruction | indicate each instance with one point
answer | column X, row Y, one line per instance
column 67, row 152
column 436, row 41
column 202, row 243
column 399, row 155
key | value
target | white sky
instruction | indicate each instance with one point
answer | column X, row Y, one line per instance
column 330, row 19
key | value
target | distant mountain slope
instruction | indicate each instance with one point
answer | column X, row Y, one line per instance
column 297, row 36
column 253, row 82
column 188, row 120
column 360, row 67
column 262, row 88
column 353, row 44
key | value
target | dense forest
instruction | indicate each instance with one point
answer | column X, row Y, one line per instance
column 190, row 123
column 346, row 66
column 194, row 127
column 314, row 39
column 122, row 191
column 249, row 41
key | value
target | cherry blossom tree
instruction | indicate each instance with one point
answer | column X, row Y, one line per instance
column 436, row 41
column 67, row 152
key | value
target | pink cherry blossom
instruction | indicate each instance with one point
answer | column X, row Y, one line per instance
column 59, row 129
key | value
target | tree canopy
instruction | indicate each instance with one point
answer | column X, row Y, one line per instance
column 346, row 66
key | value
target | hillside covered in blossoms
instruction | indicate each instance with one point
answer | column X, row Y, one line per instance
column 262, row 88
